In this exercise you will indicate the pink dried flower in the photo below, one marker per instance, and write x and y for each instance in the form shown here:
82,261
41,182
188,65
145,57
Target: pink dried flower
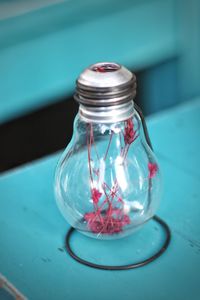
107,218
106,224
96,226
96,195
125,220
116,211
129,135
153,168
89,217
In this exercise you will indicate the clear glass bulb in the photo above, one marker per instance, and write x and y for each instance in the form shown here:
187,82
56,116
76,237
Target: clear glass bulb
107,181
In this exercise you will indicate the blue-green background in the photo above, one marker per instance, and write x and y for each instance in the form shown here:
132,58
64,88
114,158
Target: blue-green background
45,44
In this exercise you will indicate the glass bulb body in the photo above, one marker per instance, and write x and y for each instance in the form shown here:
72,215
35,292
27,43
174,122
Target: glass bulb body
107,182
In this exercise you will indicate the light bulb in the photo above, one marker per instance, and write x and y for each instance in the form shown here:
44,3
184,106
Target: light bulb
107,182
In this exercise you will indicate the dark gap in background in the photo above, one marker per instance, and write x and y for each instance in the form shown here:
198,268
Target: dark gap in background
36,134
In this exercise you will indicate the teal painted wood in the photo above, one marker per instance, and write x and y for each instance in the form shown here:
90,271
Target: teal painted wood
32,230
42,53
158,87
188,30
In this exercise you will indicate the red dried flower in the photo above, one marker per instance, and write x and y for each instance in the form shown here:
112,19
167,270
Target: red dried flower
125,220
108,217
96,195
89,217
129,135
106,224
153,168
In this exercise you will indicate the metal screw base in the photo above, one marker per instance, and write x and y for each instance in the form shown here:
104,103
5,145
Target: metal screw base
123,267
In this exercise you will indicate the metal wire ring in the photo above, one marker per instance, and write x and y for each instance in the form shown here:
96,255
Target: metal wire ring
123,267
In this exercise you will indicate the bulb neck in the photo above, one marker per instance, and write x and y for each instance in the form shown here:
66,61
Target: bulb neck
106,114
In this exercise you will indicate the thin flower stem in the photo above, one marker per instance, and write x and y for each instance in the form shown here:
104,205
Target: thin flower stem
95,148
114,193
96,172
89,139
98,212
108,145
97,216
104,202
107,197
123,151
109,210
126,152
105,218
109,217
126,149
120,138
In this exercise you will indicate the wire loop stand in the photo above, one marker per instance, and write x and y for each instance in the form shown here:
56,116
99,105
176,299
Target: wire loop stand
161,250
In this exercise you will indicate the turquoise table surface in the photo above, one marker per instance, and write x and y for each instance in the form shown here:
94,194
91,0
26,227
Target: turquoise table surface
32,230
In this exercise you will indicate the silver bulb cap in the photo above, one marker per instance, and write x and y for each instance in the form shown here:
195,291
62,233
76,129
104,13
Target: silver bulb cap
105,92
